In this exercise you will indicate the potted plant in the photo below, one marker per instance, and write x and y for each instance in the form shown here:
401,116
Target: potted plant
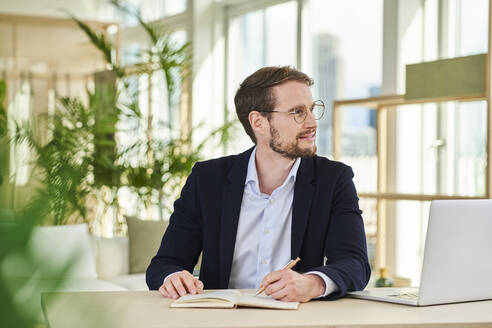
83,168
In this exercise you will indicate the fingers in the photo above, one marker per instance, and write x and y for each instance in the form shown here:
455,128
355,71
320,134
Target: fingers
272,277
295,287
276,287
163,291
288,298
285,286
284,295
171,290
280,287
180,284
199,286
189,285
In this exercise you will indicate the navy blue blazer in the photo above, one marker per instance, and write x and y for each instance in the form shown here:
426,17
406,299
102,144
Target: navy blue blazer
326,221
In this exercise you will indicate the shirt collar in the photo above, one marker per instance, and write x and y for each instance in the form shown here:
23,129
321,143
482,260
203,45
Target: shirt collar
252,175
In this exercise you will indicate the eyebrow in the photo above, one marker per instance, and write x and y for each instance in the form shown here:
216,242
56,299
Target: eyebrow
299,106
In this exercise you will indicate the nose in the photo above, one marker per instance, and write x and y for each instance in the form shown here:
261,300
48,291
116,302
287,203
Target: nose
310,122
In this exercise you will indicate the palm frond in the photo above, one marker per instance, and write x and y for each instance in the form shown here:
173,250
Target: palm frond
150,29
99,40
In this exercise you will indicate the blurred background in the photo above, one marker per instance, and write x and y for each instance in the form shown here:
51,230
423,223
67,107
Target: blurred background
107,105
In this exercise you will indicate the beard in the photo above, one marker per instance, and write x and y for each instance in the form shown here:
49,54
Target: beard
290,150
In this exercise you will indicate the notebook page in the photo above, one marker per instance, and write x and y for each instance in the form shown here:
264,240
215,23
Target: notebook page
263,301
228,295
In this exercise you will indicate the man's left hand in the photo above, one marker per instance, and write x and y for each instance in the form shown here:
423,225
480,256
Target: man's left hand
290,286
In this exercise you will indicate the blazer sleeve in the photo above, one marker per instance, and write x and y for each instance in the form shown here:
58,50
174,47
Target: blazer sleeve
182,242
347,263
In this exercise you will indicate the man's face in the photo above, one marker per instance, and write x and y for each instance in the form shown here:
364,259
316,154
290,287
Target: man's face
287,137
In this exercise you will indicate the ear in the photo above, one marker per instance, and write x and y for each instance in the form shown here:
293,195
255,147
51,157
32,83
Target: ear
259,123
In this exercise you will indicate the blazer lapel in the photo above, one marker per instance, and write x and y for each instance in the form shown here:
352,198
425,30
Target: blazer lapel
231,208
301,205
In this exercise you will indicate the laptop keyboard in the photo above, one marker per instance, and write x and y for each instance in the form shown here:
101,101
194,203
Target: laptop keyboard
408,294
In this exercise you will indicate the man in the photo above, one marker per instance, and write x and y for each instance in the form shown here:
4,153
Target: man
253,212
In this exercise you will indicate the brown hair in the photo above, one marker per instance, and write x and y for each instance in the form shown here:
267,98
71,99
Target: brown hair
255,93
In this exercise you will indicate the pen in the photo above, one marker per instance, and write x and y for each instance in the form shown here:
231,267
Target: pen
288,266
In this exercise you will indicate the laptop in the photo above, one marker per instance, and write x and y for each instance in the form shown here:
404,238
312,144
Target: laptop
457,264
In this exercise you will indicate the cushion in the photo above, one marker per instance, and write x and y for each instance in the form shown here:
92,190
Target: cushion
112,257
55,247
145,238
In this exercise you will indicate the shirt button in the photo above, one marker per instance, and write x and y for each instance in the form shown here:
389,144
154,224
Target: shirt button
267,230
263,261
272,200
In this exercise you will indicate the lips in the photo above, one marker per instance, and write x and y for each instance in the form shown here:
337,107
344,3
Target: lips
308,136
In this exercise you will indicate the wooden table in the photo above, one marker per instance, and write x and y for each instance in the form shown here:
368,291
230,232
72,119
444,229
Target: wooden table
148,309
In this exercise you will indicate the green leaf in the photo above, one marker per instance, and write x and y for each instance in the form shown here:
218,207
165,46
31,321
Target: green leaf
99,40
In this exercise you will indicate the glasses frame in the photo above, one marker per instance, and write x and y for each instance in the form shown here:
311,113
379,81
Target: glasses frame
319,103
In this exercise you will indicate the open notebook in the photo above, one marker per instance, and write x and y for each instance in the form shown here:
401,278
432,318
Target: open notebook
231,298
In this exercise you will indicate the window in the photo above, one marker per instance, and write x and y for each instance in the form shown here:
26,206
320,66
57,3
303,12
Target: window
430,150
21,107
151,10
472,25
411,219
440,147
259,38
151,93
342,50
369,215
359,144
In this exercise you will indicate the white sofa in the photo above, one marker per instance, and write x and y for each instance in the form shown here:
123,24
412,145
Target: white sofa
113,266
96,263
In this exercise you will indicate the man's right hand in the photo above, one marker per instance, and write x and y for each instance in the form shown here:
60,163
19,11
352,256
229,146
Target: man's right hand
179,284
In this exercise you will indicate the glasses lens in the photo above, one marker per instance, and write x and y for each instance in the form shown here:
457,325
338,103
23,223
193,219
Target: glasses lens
300,115
319,109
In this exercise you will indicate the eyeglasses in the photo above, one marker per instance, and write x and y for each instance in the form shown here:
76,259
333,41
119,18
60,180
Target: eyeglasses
300,113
